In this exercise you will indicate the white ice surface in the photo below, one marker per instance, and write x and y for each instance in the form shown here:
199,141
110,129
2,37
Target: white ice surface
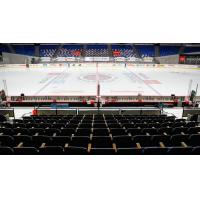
121,81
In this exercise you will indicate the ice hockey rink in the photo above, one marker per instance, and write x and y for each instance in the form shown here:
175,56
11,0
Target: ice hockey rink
114,80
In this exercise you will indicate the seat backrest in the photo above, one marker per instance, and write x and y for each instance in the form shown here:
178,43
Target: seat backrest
101,142
6,151
100,132
71,150
6,140
51,150
151,131
38,131
102,151
25,151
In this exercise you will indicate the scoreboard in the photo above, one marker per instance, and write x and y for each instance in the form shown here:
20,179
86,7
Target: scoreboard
189,59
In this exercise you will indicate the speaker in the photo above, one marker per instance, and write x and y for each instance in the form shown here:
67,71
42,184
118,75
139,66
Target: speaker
192,95
173,96
22,96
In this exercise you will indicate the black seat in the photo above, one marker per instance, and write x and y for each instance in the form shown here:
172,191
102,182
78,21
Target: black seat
157,139
115,125
141,125
6,125
44,126
155,151
117,131
72,126
66,132
102,151
38,140
79,141
166,124
25,151
179,151
84,125
135,131
102,125
150,131
177,139
83,132
179,124
18,121
180,120
32,125
196,150
6,151
194,140
51,150
179,130
51,132
143,140
165,130
6,140
123,141
193,130
21,131
128,126
2,118
191,124
154,125
58,126
6,131
18,125
38,131
51,121
101,142
71,150
60,140
129,151
100,132
25,139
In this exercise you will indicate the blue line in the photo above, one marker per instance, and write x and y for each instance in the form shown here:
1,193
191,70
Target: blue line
47,84
145,83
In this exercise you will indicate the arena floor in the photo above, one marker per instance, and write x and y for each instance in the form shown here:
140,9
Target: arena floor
114,81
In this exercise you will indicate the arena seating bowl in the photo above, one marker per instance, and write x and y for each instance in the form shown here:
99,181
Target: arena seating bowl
99,135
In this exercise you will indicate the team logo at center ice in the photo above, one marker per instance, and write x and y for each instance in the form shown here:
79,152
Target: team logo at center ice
94,77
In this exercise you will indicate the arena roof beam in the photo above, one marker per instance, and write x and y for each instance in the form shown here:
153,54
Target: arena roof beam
110,50
37,50
181,49
11,48
84,50
157,50
135,50
57,50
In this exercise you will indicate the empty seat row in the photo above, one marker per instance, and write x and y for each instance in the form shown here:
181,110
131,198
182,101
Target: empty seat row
57,150
102,141
98,131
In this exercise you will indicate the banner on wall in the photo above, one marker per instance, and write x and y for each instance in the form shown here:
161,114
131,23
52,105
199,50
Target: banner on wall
120,59
71,59
45,59
96,59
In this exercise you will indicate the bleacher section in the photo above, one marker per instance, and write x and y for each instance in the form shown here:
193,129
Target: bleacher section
169,50
99,134
122,51
70,51
146,50
97,51
48,50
